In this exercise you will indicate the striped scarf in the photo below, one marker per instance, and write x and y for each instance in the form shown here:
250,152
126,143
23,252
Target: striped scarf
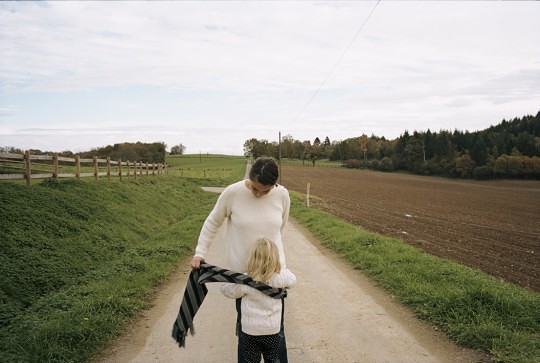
196,291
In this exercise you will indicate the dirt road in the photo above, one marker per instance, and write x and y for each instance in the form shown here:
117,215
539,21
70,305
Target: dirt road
334,314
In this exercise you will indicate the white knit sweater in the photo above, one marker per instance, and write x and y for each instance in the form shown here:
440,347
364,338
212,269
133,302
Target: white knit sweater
261,314
248,219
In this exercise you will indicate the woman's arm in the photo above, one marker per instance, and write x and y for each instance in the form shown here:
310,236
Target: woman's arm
211,226
286,210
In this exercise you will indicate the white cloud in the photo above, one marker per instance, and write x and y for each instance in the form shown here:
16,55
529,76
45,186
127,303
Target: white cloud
247,69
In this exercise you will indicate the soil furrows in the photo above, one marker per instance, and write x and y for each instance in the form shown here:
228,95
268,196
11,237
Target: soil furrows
493,226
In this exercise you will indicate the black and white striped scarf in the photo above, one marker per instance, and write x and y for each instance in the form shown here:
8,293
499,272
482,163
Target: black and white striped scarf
196,291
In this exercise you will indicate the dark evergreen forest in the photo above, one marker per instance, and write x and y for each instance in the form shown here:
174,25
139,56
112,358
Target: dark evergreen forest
511,149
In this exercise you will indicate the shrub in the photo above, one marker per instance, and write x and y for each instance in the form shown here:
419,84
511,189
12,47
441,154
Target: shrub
483,173
386,164
375,164
352,163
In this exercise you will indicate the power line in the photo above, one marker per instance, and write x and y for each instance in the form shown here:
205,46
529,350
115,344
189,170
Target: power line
335,65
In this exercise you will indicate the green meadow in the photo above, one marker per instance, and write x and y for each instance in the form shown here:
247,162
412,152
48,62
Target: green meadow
81,258
218,168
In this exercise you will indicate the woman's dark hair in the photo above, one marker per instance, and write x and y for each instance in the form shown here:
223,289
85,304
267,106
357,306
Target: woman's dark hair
265,171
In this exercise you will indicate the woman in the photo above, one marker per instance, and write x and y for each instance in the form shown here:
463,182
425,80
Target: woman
254,208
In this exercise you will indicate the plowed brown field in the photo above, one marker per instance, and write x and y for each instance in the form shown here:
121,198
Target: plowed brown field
493,226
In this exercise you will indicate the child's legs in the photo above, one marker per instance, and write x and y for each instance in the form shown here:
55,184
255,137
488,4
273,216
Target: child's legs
270,347
265,345
251,350
282,352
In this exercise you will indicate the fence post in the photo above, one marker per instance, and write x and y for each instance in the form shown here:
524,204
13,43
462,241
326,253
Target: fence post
27,168
128,168
55,166
147,168
135,169
120,169
307,195
78,166
140,168
96,170
153,168
109,168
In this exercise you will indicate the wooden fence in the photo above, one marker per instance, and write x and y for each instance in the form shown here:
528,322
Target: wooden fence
54,166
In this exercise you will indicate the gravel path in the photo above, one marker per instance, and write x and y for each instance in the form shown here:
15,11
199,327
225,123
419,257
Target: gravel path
334,314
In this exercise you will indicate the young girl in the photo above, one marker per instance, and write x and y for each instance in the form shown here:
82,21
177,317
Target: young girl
260,314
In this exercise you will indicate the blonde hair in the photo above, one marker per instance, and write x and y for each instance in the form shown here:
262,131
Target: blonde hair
263,260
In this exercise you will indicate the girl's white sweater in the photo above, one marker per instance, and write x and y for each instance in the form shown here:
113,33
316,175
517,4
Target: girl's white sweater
261,314
248,219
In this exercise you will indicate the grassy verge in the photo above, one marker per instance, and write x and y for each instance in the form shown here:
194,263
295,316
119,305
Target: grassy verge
474,309
80,258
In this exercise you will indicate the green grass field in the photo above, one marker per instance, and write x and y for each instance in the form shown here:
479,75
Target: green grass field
216,168
80,259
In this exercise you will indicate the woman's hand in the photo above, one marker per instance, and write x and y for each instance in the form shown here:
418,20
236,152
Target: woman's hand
196,263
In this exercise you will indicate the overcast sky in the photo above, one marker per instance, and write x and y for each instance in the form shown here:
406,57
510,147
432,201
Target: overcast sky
77,75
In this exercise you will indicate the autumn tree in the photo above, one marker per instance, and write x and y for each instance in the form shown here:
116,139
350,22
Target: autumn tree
178,149
138,151
255,148
364,145
465,166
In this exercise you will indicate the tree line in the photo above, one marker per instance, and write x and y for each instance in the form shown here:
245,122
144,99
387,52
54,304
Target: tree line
146,152
510,149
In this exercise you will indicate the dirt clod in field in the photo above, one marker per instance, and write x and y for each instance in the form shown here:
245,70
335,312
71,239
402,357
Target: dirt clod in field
491,225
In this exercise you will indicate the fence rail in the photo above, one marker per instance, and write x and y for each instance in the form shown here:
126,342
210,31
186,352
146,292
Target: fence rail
49,166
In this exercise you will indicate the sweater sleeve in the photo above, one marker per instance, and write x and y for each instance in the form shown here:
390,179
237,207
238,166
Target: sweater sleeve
233,291
285,279
286,210
213,222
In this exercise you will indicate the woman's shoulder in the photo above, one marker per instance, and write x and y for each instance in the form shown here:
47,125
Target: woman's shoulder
281,187
233,189
281,191
238,185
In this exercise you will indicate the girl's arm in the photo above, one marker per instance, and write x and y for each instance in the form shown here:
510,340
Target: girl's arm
233,291
285,279
290,278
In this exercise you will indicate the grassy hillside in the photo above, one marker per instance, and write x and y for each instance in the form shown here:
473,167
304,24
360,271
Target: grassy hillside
79,258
